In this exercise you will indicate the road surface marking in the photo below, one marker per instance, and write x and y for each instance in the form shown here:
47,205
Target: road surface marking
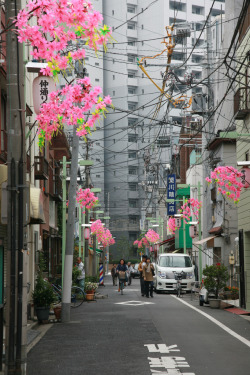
162,348
134,303
217,322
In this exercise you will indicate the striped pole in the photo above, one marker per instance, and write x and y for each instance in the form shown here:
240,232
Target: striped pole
101,279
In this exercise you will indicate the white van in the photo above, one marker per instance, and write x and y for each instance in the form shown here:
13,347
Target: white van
167,265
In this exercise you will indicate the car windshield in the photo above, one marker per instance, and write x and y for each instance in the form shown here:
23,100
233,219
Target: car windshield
172,261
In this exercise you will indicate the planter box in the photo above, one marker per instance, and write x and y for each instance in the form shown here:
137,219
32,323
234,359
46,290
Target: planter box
214,303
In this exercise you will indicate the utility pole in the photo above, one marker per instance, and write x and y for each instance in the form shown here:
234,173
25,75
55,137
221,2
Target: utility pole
68,262
16,294
86,242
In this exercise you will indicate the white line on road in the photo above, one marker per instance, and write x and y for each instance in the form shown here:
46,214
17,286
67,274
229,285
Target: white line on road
215,321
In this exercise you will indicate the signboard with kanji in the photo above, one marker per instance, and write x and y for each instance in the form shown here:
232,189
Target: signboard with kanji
42,87
171,189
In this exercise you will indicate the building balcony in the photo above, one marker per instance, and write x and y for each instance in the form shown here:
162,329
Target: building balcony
132,2
132,66
41,168
133,194
132,50
55,187
132,33
241,103
133,98
133,82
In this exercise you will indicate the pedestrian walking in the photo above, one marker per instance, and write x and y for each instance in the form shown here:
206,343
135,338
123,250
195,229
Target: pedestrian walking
81,277
140,269
148,273
129,270
114,274
121,270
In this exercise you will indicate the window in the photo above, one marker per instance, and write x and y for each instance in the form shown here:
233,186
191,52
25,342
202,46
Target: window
130,9
142,27
142,91
132,170
132,121
98,175
131,106
97,143
113,77
113,61
142,75
113,28
131,90
131,42
132,154
198,10
133,186
132,219
131,25
97,80
131,58
98,160
132,203
114,141
113,93
114,157
114,173
131,74
132,138
96,64
113,12
196,58
86,59
142,43
173,261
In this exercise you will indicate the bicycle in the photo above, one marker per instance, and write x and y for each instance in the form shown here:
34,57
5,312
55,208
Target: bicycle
122,280
77,295
178,277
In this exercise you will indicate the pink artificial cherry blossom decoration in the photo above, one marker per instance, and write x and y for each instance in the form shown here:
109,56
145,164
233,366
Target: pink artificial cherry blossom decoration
152,236
49,25
191,207
171,225
103,235
141,243
86,199
229,182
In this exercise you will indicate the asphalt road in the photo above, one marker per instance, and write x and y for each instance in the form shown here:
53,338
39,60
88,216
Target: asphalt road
131,335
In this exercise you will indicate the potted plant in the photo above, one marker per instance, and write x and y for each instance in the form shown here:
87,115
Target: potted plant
43,294
216,277
90,288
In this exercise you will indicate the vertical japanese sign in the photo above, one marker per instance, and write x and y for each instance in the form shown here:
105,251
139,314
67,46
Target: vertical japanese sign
42,87
171,189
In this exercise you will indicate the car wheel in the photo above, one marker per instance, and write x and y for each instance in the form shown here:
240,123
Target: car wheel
201,302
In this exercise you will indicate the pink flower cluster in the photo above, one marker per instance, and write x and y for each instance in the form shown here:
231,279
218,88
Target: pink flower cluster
69,106
86,199
229,182
171,225
191,207
152,236
103,235
141,243
54,24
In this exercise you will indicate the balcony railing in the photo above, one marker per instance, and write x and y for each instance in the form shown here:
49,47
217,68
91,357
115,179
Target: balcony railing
242,103
41,168
56,191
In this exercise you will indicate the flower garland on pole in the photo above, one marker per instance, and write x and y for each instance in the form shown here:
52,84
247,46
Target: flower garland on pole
229,182
55,24
152,236
191,207
103,235
86,199
171,225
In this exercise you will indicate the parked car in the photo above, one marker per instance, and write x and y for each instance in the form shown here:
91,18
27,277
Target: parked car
165,268
135,273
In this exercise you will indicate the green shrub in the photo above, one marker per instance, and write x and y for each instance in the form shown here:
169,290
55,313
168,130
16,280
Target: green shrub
216,277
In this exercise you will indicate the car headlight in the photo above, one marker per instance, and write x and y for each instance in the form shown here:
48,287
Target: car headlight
162,275
189,275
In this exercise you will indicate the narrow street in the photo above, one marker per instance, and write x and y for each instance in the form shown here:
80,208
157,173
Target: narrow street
121,334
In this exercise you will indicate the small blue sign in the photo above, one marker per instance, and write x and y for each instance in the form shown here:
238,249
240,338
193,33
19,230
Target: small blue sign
171,191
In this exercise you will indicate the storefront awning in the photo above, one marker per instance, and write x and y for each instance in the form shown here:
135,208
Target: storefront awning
166,241
36,206
204,240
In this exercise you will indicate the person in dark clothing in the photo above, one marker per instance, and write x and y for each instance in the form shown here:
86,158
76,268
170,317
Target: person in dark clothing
114,274
120,269
148,272
140,269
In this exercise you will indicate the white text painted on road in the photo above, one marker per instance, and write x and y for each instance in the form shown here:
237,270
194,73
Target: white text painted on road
161,348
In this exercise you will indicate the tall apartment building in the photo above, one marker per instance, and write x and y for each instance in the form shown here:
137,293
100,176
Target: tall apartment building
129,133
